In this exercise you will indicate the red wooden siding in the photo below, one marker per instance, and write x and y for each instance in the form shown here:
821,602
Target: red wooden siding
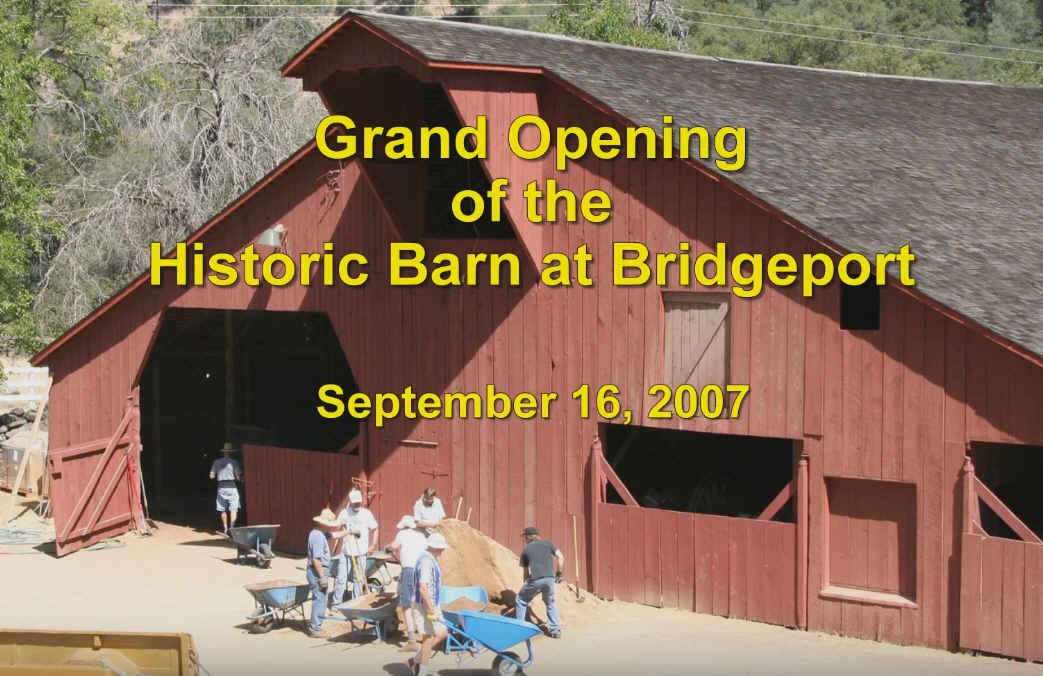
1001,603
900,404
742,568
318,480
872,535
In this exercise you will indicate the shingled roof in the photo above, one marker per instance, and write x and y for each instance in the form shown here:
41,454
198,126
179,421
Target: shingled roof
871,162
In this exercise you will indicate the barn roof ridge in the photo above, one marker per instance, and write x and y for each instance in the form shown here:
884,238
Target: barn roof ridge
442,22
868,162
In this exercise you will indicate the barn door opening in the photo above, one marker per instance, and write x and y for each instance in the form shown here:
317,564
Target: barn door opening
1001,552
245,377
709,522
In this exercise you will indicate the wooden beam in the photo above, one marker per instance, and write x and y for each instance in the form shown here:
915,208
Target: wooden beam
624,447
1004,513
29,448
229,374
775,505
353,444
617,483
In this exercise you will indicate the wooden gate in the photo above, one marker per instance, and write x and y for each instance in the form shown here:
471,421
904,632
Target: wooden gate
96,486
754,569
1001,580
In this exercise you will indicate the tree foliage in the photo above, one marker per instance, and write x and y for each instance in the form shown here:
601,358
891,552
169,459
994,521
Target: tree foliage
204,114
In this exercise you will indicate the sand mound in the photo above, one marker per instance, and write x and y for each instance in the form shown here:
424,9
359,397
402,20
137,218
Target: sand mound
473,559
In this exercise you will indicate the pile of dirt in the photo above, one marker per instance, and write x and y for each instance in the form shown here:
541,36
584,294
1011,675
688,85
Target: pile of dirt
474,559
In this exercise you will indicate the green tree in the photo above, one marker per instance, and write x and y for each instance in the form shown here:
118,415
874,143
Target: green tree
606,21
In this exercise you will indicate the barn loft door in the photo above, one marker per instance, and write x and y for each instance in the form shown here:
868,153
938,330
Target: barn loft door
95,486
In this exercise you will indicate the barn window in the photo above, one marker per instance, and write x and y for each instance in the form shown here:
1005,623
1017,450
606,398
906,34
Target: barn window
696,340
1011,472
447,177
860,307
871,534
722,474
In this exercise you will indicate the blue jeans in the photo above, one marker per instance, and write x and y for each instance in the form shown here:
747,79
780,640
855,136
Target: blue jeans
318,600
344,572
544,586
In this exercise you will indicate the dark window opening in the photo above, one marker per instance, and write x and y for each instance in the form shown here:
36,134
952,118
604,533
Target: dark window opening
860,307
241,376
447,177
701,473
1011,472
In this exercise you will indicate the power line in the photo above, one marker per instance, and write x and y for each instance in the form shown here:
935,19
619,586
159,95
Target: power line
244,17
335,6
859,42
902,36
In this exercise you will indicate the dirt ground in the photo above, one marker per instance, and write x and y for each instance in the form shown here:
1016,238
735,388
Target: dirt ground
183,580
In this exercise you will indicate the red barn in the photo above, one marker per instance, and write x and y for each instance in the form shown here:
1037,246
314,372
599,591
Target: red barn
843,498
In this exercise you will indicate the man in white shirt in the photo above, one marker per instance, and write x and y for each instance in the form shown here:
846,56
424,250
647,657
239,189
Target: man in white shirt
359,542
428,511
407,547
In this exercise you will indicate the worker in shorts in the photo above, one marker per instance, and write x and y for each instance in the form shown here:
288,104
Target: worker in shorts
408,545
427,603
226,470
543,563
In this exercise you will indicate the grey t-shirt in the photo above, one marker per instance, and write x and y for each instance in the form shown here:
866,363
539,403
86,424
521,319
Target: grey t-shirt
539,557
226,471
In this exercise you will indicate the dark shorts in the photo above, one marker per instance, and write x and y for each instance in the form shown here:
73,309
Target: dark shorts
406,587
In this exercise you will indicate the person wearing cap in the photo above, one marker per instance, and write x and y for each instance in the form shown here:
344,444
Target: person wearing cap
226,470
542,562
427,602
408,545
326,528
428,511
360,541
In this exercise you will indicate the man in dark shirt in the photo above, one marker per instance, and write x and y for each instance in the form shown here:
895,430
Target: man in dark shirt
543,563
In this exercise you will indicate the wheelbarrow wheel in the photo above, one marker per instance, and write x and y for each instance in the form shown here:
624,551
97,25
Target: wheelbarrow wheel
264,555
262,625
502,667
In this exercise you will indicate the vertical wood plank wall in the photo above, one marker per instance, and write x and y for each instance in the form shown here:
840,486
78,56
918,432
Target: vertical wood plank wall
319,479
1001,606
898,404
741,568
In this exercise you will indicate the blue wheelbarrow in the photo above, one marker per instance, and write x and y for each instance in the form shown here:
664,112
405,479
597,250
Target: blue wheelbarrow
475,632
377,610
275,600
256,541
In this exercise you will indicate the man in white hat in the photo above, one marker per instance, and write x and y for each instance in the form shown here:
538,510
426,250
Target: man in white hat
325,529
427,602
408,545
360,541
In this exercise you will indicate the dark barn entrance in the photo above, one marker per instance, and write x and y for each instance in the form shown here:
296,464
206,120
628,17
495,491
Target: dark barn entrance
232,375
